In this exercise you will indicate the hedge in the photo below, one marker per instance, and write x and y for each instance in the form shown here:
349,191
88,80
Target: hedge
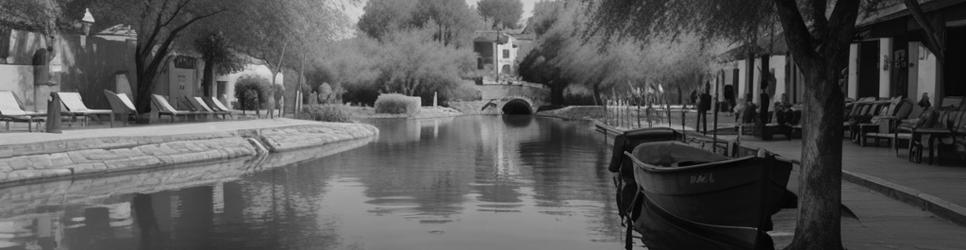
397,104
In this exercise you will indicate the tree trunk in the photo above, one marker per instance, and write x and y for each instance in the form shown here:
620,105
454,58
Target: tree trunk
145,86
208,78
820,190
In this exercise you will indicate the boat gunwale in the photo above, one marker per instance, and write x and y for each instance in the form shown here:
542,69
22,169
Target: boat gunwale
665,169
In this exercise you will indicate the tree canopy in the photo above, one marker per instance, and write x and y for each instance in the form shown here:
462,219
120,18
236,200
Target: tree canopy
453,21
562,57
505,13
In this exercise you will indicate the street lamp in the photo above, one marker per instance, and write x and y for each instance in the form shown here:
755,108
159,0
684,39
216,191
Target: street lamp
87,21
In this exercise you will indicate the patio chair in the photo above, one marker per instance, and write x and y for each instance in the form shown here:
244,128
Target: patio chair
198,105
215,104
164,108
940,125
121,105
883,126
876,108
11,110
858,107
74,107
947,143
906,128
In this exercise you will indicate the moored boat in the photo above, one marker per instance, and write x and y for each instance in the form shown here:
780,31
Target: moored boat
716,201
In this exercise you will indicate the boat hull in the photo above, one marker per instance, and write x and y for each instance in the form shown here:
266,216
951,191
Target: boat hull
661,230
741,192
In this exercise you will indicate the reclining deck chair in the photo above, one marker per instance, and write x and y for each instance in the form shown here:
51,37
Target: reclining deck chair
198,105
74,107
121,105
164,108
215,104
11,110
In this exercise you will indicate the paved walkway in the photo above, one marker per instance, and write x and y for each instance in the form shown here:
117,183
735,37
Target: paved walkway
947,183
884,223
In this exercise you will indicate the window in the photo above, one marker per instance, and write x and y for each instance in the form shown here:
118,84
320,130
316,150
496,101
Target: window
506,53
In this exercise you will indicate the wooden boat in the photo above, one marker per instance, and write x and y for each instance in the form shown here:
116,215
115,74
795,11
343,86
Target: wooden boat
661,230
722,199
627,187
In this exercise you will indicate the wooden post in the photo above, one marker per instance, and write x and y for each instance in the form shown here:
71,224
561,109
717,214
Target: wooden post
638,112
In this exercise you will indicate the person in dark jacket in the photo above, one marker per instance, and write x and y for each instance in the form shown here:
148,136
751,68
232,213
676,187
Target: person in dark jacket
704,104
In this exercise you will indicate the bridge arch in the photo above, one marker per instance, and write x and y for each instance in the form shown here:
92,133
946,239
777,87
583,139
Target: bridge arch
517,106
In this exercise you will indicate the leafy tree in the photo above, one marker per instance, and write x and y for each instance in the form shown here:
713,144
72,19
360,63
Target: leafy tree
42,15
382,17
325,93
218,58
505,13
453,21
159,24
411,63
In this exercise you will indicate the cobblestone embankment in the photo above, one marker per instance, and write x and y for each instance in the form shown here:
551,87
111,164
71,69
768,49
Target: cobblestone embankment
87,156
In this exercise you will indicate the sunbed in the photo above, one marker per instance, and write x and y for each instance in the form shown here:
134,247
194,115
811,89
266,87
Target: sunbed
121,105
11,110
199,105
164,108
74,107
215,104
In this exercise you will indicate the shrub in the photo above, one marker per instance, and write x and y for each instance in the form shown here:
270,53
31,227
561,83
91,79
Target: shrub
326,113
397,104
252,92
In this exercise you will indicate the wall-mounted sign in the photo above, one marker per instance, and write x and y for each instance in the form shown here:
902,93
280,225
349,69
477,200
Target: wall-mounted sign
184,62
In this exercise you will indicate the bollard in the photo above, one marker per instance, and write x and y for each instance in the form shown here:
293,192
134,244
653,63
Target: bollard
53,113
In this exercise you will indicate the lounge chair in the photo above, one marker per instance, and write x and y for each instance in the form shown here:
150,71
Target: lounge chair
215,104
163,107
121,105
883,125
74,107
198,105
856,109
938,125
865,114
11,110
947,142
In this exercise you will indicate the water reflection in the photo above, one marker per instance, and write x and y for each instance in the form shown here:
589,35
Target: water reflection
480,182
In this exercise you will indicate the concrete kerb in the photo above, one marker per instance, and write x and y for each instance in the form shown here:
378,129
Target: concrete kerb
931,203
927,202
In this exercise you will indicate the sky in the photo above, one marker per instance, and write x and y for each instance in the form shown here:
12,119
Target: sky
354,12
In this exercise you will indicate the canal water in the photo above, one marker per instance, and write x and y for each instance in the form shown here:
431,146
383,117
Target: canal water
472,182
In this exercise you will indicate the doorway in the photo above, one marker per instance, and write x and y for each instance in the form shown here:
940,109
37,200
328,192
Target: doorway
868,69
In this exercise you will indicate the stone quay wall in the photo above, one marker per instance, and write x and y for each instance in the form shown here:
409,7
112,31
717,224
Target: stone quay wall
20,163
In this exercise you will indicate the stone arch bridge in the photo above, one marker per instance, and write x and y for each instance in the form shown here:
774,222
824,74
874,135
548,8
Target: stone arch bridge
511,105
522,99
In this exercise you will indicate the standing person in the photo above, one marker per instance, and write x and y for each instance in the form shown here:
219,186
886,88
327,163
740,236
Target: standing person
704,104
